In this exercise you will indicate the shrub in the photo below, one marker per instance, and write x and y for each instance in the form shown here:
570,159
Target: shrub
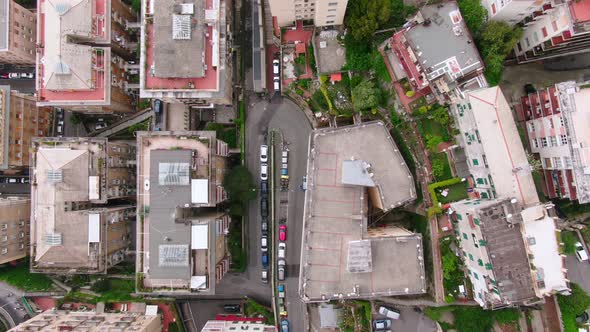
410,94
573,305
101,285
569,240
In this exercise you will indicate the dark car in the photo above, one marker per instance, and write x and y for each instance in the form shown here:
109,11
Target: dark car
264,260
234,308
264,188
158,106
264,208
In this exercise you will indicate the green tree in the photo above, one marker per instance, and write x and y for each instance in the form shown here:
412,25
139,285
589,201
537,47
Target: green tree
365,96
136,5
450,263
240,188
474,15
101,285
495,41
432,142
358,54
438,168
364,17
441,115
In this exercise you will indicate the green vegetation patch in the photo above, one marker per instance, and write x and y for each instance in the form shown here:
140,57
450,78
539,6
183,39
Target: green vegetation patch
20,277
457,192
472,319
572,306
226,133
440,166
255,309
569,240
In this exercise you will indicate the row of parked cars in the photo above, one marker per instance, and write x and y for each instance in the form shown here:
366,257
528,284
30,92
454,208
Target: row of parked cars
385,324
264,210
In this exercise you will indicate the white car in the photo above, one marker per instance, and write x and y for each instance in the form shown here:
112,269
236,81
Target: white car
581,254
14,75
146,185
282,249
275,66
263,153
264,172
276,83
388,312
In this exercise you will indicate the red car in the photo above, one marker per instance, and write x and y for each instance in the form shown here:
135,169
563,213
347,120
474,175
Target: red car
283,233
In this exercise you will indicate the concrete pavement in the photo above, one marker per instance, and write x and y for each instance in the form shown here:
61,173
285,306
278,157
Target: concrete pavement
578,272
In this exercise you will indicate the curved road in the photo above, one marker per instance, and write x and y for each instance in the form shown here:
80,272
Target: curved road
282,115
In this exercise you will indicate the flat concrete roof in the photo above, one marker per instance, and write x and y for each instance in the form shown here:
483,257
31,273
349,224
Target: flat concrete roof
178,58
441,42
336,214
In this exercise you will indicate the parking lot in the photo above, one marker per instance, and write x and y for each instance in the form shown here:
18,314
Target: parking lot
410,320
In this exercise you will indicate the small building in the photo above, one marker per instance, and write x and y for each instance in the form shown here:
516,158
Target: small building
437,54
62,320
236,325
557,128
15,213
81,59
182,175
76,227
18,34
329,51
494,153
185,52
323,13
342,258
511,253
20,121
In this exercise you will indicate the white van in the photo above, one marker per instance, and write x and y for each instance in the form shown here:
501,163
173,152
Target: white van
263,153
275,66
581,254
277,84
264,172
282,249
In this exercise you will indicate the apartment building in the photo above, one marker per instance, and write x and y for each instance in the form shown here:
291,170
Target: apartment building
495,160
20,121
185,52
15,212
82,52
18,34
75,227
557,130
555,28
510,11
62,320
236,325
511,253
179,188
436,54
323,13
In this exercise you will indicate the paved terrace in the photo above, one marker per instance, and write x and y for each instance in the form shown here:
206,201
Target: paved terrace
68,72
336,214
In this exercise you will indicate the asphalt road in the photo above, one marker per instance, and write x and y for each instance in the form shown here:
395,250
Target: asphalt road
578,272
10,301
283,116
24,85
202,311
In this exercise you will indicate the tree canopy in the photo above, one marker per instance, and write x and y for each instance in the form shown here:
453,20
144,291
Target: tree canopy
474,15
240,188
365,96
364,17
495,41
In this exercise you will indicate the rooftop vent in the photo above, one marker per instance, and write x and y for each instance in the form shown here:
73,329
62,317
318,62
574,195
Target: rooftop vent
62,8
54,175
53,239
181,27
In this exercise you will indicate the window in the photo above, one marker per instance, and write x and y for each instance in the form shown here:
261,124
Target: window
531,126
553,140
557,162
561,121
493,9
464,253
4,251
4,226
476,221
544,31
470,257
551,123
329,22
563,139
21,235
544,141
485,161
459,217
528,42
475,162
535,143
536,36
465,236
568,162
554,26
332,10
474,240
480,262
475,275
4,238
330,16
332,4
547,163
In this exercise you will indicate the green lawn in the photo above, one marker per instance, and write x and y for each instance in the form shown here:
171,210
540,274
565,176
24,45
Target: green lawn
254,309
440,160
457,192
120,290
19,276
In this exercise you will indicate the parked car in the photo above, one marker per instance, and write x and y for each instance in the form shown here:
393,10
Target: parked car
14,75
263,153
276,64
265,276
264,226
100,125
581,254
583,317
264,243
264,260
4,75
284,325
12,180
146,185
282,249
264,172
24,180
389,312
233,308
304,183
277,83
281,269
283,233
264,208
281,291
264,188
27,75
381,324
60,129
